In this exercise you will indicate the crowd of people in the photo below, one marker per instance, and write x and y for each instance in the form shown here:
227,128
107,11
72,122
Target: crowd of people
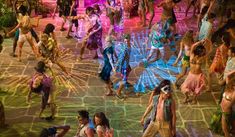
209,53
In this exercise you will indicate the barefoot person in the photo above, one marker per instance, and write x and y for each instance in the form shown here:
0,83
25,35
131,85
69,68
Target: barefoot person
196,80
93,39
163,116
185,48
42,84
108,64
227,105
24,26
219,62
123,65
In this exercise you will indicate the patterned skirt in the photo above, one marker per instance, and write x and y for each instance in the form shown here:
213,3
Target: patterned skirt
95,41
194,83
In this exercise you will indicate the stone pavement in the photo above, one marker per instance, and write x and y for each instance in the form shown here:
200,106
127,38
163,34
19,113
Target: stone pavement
86,91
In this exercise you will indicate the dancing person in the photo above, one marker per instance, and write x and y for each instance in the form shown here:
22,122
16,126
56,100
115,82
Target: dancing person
206,27
114,12
50,53
21,9
195,81
227,105
157,39
229,68
108,64
185,48
155,92
195,4
85,127
73,12
123,65
142,12
53,131
204,8
150,4
24,25
168,13
102,125
219,62
64,9
42,84
163,114
93,39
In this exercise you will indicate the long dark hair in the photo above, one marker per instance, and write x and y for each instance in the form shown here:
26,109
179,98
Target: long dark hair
49,28
200,50
226,39
163,83
103,119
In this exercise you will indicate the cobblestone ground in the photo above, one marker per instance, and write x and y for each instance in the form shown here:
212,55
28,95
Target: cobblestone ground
86,91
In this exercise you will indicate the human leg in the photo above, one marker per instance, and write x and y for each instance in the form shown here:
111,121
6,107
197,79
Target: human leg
225,126
151,130
152,14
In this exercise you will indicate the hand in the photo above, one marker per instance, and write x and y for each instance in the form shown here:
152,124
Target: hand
142,121
175,64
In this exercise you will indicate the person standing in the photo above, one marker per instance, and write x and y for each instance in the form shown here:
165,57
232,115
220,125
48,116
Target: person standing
108,64
123,65
73,12
42,84
163,115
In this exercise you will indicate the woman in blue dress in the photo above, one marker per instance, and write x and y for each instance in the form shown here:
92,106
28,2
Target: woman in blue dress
123,66
108,64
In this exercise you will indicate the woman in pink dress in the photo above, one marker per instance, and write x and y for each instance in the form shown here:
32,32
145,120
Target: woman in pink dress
196,80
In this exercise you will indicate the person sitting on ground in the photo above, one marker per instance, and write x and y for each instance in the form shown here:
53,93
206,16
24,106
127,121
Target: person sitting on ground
53,131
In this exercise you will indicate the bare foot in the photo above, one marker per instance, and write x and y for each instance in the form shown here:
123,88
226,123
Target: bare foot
186,100
79,59
194,102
